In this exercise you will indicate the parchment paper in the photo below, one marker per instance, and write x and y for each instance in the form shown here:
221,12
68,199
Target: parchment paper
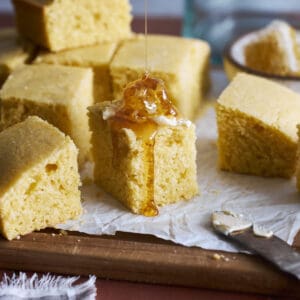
273,203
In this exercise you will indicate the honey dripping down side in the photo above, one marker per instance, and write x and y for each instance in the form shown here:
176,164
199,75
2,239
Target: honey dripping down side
143,100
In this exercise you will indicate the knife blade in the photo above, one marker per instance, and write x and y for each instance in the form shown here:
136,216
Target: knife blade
273,249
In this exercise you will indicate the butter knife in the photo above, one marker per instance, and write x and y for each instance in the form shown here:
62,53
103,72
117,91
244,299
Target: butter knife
271,248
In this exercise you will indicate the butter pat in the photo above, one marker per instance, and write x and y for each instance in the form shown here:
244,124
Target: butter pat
228,222
262,232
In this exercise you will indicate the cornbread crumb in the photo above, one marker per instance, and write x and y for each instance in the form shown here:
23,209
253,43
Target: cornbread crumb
58,94
35,160
257,131
216,256
219,257
59,25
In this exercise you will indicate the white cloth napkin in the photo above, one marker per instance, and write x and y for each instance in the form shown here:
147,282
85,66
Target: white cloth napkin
47,287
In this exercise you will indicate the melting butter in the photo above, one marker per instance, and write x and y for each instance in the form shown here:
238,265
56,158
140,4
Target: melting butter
261,231
228,222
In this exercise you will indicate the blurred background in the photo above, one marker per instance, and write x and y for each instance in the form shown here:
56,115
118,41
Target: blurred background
217,21
156,7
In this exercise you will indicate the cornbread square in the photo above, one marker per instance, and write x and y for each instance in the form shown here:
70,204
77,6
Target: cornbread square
139,176
181,63
274,50
257,121
39,179
13,52
58,94
97,57
65,24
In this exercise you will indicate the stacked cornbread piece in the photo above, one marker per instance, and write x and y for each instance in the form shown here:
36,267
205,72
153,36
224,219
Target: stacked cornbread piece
69,55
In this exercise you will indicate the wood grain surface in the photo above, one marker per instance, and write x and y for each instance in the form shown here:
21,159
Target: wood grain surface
142,258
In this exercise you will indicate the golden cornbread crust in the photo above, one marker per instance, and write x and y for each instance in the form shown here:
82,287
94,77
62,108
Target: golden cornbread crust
97,57
257,122
122,163
61,24
39,179
58,94
181,63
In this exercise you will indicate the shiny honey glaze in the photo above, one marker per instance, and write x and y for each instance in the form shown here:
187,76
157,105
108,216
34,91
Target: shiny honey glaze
143,100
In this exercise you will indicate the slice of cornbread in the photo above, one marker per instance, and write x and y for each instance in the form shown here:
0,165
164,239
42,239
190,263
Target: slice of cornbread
97,57
144,163
13,52
64,24
257,121
39,179
58,94
181,63
274,50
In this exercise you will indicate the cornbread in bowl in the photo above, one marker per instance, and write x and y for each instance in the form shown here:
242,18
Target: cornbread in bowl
272,52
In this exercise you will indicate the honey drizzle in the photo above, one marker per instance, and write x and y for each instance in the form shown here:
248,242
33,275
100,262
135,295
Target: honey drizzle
146,37
143,99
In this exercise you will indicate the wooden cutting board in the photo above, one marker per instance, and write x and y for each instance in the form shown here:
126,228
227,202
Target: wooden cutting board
144,258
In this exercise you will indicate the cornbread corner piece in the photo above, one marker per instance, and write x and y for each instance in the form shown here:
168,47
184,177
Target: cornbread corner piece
61,24
39,180
136,174
182,63
58,94
97,57
274,50
257,121
14,52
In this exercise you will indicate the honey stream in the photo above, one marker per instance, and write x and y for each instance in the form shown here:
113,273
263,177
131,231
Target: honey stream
143,100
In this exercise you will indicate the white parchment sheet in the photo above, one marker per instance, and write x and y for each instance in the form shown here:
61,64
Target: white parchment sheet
273,203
